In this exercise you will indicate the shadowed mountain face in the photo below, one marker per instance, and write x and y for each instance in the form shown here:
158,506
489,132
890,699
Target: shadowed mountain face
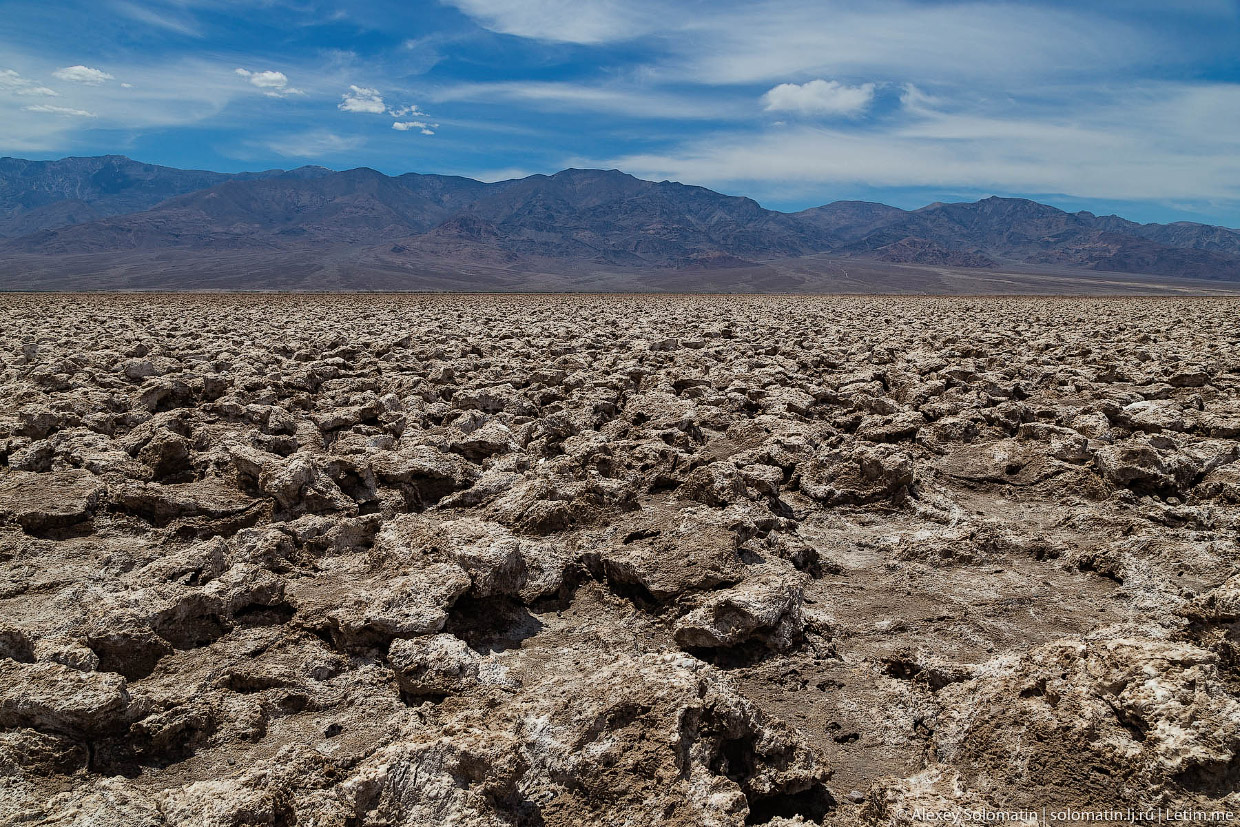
61,210
997,230
36,195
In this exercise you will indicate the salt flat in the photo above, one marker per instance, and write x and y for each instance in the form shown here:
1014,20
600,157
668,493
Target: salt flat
552,560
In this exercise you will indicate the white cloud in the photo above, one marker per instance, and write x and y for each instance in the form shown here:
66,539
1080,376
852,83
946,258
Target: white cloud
368,101
274,84
14,83
314,144
265,80
897,40
82,74
567,21
59,110
634,101
362,99
820,97
421,126
405,111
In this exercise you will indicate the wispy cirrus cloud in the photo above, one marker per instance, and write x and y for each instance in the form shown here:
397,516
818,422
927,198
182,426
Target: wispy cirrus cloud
315,143
59,110
566,21
630,100
896,40
175,19
13,83
177,93
82,74
795,40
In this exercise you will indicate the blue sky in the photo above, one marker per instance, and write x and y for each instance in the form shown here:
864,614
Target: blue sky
1128,106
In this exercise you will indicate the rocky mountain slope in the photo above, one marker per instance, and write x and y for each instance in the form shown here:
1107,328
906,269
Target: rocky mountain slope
1014,229
55,211
37,195
549,561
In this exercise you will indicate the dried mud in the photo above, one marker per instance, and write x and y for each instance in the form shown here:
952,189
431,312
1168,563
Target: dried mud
351,561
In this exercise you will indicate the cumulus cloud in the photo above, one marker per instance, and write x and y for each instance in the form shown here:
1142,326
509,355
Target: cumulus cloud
265,80
820,97
368,101
362,99
59,110
82,74
15,84
405,111
421,126
274,84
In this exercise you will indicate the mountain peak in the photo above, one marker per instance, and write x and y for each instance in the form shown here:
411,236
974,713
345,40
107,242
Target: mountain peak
587,173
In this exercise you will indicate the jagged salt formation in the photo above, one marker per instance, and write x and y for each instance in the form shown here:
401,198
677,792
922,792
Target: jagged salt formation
372,560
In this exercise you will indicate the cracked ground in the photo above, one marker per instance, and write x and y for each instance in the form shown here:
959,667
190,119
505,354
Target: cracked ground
352,561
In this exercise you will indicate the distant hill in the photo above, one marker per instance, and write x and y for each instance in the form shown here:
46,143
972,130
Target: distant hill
64,215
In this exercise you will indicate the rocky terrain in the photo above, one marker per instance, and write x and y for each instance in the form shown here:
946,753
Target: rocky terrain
353,561
113,223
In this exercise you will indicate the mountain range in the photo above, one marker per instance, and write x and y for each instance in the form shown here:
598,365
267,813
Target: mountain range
140,225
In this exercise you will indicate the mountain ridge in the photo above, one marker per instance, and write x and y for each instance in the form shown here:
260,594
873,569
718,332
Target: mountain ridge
81,206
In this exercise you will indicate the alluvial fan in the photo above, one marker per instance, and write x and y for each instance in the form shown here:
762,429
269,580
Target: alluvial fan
351,561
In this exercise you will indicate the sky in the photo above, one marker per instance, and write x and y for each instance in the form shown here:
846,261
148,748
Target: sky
1116,106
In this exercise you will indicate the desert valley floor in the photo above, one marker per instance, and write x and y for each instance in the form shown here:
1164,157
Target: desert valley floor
364,560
